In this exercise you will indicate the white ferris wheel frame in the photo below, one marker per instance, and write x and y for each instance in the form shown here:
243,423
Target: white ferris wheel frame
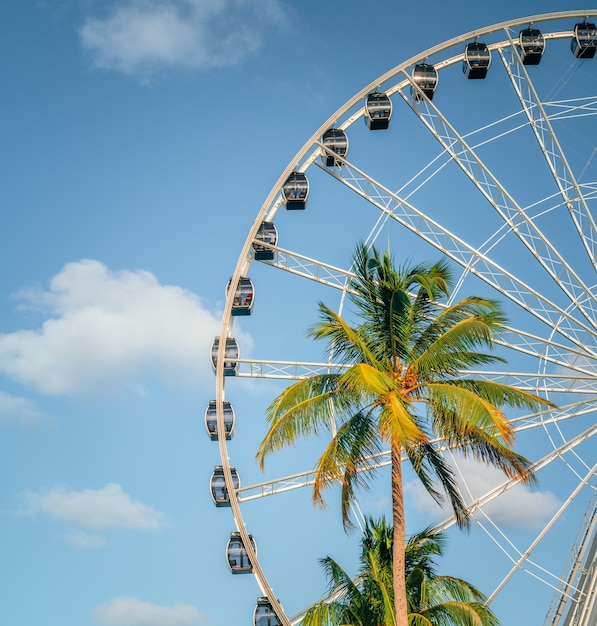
476,262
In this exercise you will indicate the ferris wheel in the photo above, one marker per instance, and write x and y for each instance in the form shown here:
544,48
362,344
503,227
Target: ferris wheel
481,149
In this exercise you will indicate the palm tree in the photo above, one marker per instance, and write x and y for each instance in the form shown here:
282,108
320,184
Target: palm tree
403,387
433,600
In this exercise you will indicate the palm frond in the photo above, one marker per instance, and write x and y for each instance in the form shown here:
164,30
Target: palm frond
397,424
345,458
328,614
437,322
416,619
455,407
452,588
302,409
428,464
454,349
421,548
340,583
461,613
475,443
348,344
504,395
366,382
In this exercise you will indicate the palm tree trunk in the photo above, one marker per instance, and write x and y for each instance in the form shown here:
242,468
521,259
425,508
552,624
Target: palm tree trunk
400,606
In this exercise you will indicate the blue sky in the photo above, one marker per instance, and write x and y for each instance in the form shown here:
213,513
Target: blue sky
139,141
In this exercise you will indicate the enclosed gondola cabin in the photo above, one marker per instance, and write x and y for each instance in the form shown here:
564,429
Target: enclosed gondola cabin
238,560
211,420
267,233
476,61
532,46
335,143
217,484
378,111
584,41
295,191
243,297
264,614
425,78
230,356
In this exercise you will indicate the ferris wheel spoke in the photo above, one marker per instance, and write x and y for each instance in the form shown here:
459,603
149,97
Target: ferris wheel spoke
547,350
592,190
551,383
286,370
472,259
294,370
510,212
552,151
565,109
306,267
554,415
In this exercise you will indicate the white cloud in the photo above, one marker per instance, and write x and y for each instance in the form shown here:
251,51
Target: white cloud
108,330
519,506
127,611
18,411
145,36
82,540
108,507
